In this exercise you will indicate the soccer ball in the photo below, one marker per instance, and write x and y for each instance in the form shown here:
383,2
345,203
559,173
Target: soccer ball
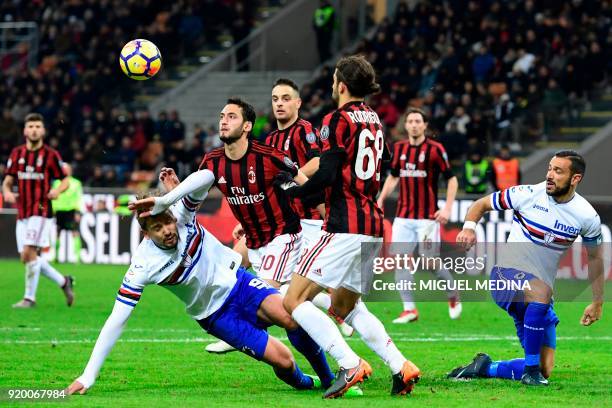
140,59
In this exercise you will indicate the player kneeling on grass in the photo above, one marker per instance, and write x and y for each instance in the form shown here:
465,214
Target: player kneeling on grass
548,217
229,303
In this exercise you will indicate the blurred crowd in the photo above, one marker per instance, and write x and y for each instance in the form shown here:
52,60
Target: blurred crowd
79,89
489,73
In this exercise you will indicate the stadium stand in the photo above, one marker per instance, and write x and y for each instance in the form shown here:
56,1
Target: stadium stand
512,73
488,73
89,109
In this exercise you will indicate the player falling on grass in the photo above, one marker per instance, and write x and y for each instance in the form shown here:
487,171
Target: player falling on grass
245,170
226,301
33,166
349,171
548,218
417,164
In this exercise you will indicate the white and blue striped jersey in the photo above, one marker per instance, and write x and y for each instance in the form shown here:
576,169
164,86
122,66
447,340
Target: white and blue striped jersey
549,227
200,271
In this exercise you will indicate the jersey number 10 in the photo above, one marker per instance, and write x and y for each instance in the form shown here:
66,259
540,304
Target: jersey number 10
369,155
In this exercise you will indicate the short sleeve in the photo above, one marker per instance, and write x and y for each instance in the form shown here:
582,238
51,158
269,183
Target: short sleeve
205,163
443,163
282,162
333,132
133,284
54,164
512,198
309,142
591,232
11,164
395,161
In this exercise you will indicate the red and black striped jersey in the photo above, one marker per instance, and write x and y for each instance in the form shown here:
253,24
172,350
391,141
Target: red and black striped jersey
350,203
34,170
247,184
300,142
419,168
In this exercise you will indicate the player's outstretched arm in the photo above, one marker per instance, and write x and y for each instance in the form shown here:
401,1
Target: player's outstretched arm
196,184
593,312
324,177
310,167
442,215
63,186
7,189
467,237
388,187
109,335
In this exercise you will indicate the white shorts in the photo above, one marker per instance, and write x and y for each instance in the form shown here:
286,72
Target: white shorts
33,231
335,260
311,231
410,232
277,259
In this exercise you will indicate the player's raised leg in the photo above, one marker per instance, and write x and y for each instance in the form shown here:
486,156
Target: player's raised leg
320,327
404,373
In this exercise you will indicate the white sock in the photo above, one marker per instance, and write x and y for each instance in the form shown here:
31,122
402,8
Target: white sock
325,333
373,334
322,301
50,272
444,274
406,295
31,279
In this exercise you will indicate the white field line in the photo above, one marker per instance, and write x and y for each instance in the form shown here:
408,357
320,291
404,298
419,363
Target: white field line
212,339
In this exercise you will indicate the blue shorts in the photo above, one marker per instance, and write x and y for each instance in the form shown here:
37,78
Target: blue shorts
513,302
236,321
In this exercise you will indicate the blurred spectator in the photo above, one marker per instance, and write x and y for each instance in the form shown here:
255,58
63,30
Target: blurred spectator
476,173
324,21
506,170
503,119
483,64
387,111
460,119
554,104
199,134
494,59
454,141
262,126
97,178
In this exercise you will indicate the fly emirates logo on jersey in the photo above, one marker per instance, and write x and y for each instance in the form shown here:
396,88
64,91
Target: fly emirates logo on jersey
30,173
411,171
239,196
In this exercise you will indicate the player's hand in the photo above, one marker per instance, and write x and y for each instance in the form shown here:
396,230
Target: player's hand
442,216
592,313
238,231
285,181
466,238
380,203
53,194
9,197
168,178
76,387
148,206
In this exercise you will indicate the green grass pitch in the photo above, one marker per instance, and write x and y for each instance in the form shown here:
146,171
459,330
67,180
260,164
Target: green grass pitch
160,359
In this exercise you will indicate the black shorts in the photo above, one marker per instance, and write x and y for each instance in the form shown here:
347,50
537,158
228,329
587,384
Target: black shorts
66,220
